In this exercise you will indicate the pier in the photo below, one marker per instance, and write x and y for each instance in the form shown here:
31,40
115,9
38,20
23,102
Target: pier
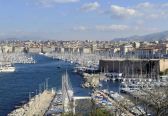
36,106
65,101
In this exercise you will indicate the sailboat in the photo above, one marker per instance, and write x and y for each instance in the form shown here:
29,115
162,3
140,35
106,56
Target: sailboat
67,93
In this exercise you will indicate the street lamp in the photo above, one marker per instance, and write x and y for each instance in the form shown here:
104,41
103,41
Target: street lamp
44,86
40,88
47,83
30,95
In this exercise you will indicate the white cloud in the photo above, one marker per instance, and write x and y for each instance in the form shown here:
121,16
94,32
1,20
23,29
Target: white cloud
165,5
153,16
118,11
145,5
80,28
49,3
144,29
116,30
152,11
90,6
139,22
111,27
2,34
143,11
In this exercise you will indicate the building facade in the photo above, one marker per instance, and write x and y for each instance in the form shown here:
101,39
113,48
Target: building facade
135,67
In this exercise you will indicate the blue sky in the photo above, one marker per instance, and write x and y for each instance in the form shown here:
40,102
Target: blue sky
81,19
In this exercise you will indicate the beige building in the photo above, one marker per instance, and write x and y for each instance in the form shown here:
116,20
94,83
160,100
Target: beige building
7,49
163,64
85,50
34,49
114,50
62,50
18,49
125,49
164,48
93,48
137,44
48,49
148,52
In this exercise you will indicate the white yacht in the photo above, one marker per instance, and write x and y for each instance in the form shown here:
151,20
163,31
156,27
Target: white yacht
41,53
7,68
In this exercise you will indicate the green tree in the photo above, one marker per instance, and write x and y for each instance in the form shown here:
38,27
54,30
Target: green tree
99,112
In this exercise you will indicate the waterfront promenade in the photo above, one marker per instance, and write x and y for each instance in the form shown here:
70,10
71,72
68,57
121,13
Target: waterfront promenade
38,105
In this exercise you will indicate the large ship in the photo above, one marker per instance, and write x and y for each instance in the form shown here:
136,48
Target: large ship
7,67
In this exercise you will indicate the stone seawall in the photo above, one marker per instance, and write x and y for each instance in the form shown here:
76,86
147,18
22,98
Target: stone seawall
37,106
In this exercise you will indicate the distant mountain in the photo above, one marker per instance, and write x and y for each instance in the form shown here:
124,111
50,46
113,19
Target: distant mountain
149,37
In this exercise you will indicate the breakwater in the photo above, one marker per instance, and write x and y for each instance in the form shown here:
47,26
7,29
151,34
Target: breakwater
38,105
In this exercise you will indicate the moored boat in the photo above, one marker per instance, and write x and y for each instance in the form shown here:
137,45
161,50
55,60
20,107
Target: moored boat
7,68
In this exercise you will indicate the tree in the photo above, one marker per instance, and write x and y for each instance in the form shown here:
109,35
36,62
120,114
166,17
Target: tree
157,98
99,112
95,112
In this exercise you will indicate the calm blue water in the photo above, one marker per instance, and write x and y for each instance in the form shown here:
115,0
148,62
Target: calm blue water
15,87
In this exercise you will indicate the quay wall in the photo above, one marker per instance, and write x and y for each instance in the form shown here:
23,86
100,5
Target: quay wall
37,106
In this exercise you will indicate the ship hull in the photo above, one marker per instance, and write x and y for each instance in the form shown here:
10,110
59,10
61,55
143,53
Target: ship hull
7,69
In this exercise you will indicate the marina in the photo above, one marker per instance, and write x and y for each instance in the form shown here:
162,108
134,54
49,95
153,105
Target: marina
83,58
21,83
110,91
52,102
8,60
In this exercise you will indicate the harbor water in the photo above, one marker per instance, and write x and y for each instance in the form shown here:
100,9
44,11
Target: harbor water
15,87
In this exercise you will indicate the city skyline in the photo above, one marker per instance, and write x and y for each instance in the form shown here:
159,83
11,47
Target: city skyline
81,19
